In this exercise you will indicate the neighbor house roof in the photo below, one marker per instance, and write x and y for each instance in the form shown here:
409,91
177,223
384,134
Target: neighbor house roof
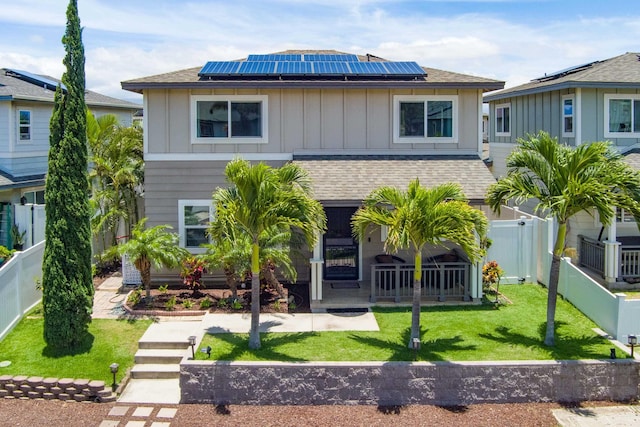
618,72
12,87
8,181
352,178
189,79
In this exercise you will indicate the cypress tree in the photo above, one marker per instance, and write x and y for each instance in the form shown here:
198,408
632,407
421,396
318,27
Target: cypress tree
67,281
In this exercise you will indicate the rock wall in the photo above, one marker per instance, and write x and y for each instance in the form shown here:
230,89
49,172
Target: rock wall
402,383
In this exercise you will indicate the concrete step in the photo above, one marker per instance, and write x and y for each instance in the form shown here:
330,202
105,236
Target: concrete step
163,345
155,371
160,355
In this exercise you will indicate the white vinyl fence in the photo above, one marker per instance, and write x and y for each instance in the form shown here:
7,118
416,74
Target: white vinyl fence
31,218
18,293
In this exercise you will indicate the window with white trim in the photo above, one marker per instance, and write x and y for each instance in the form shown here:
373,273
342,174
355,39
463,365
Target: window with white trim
229,119
624,216
503,120
425,119
194,217
24,128
568,114
622,116
34,197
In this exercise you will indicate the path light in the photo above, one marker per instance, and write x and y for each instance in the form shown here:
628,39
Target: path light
633,341
206,350
415,343
114,370
192,343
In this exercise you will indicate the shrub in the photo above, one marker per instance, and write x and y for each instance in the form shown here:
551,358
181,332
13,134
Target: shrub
163,289
236,304
5,253
223,302
192,270
135,297
170,304
205,303
187,304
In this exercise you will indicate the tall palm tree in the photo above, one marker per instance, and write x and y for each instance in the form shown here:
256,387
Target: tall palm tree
421,216
565,181
151,246
262,197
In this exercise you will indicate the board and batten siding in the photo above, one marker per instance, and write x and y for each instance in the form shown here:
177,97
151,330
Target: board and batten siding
309,120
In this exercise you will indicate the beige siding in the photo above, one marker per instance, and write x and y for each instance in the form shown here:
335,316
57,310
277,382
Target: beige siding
308,120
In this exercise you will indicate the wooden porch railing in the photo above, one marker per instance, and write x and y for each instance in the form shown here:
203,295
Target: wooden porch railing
591,254
442,281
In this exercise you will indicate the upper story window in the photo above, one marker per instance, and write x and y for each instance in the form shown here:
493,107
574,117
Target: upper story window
503,120
229,119
624,216
622,116
194,217
420,119
25,125
568,115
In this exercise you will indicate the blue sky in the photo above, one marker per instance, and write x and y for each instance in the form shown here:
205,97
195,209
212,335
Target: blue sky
509,40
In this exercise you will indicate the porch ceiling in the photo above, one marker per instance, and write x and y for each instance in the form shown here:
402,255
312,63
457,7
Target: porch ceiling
352,180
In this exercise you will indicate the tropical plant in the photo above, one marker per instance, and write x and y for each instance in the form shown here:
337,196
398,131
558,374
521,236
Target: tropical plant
260,198
67,296
116,175
149,246
5,254
565,181
421,216
491,274
18,237
191,272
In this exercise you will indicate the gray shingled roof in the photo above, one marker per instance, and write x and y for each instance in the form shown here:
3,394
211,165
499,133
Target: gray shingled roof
353,179
8,181
15,88
189,79
618,72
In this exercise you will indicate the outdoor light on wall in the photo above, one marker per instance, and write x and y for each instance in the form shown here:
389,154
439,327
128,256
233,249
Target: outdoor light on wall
206,350
633,341
192,343
114,370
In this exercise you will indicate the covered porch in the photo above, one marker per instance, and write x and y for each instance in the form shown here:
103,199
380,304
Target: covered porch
617,261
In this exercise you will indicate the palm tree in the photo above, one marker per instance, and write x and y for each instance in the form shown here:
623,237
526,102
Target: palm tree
421,216
262,197
151,246
565,181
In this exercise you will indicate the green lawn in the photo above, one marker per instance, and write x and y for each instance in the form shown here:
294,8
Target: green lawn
109,341
450,333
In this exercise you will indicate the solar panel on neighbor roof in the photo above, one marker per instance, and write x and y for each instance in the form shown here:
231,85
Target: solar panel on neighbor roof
410,68
258,67
294,67
36,79
368,68
330,57
331,67
219,67
275,57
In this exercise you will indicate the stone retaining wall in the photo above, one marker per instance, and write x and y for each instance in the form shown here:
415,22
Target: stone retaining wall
22,386
402,383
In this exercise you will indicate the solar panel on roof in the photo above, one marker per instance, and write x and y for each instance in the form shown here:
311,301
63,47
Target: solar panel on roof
294,67
410,68
330,57
257,67
219,67
368,68
36,79
331,67
276,57
565,71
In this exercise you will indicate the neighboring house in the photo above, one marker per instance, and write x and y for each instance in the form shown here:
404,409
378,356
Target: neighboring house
353,122
596,101
26,104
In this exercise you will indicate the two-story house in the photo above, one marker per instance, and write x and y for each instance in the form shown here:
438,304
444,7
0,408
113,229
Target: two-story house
596,101
26,104
354,122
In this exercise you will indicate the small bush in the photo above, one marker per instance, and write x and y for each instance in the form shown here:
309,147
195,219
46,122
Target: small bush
236,304
170,304
223,302
292,306
163,289
276,305
187,304
205,303
135,297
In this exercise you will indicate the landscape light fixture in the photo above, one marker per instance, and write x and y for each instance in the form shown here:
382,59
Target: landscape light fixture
207,351
415,343
114,370
633,341
192,343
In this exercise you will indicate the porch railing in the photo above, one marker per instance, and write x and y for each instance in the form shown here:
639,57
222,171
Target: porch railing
629,261
591,254
441,281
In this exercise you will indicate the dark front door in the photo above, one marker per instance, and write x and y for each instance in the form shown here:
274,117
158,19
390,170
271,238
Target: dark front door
340,248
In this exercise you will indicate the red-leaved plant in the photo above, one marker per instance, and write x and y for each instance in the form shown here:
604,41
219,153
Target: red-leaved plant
192,270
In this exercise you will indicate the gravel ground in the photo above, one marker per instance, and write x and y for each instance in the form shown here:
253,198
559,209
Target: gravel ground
70,414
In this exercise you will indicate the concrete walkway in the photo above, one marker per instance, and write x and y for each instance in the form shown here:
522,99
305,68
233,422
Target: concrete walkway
604,416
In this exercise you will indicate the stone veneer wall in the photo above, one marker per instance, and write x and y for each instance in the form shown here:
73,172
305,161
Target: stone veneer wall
402,383
80,390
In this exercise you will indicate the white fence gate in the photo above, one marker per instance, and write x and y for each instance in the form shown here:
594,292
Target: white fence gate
31,218
514,247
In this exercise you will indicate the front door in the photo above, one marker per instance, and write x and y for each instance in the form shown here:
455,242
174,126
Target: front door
340,248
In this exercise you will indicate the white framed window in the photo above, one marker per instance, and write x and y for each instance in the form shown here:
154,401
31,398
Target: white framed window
621,116
232,119
623,216
194,217
34,197
24,126
568,115
425,119
503,120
